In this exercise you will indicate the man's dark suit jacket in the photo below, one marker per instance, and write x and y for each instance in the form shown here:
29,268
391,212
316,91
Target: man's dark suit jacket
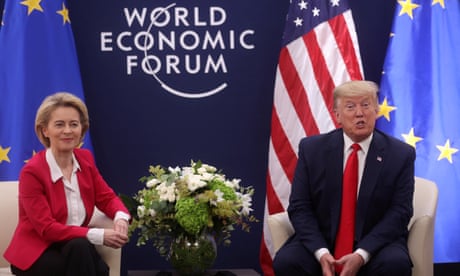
384,205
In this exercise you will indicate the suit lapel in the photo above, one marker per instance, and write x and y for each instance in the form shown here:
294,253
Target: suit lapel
374,162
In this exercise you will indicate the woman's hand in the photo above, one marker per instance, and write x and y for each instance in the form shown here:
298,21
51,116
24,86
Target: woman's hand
114,239
121,225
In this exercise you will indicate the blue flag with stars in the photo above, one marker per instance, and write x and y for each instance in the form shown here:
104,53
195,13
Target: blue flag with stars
420,104
37,58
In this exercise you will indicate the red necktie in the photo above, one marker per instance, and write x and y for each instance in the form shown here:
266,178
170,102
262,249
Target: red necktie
345,235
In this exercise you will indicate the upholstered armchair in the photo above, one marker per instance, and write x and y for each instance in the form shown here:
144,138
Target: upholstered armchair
9,219
421,227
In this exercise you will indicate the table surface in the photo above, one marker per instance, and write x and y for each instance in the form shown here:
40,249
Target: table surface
212,272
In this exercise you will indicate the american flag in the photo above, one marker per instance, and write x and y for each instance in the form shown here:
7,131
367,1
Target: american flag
319,51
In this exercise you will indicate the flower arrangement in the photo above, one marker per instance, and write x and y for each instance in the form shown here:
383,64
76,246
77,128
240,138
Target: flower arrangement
188,201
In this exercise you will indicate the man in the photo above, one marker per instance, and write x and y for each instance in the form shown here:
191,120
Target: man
385,187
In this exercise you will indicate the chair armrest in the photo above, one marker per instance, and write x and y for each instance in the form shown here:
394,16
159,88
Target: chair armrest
420,243
280,229
111,256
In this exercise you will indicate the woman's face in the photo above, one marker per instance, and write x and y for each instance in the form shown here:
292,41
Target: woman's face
64,129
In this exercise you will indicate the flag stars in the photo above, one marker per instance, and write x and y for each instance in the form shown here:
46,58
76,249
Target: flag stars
315,11
4,154
32,5
298,22
303,5
65,14
446,151
385,109
335,3
407,7
440,2
410,138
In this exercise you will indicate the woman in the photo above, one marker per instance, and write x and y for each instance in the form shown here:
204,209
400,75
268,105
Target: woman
58,190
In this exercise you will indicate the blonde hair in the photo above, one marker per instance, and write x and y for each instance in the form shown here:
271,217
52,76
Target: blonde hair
50,104
356,88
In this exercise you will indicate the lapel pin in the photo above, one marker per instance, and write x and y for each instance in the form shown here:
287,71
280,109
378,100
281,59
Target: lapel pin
379,158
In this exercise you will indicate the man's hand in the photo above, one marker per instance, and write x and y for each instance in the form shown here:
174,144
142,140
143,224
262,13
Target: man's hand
350,263
114,239
327,262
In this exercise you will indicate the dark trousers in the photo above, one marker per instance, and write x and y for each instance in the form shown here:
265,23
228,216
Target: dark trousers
294,259
77,257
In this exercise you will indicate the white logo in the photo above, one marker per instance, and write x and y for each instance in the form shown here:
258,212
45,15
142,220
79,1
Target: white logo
178,46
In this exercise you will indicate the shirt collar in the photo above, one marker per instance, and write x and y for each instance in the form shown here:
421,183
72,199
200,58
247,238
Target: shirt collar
364,144
55,171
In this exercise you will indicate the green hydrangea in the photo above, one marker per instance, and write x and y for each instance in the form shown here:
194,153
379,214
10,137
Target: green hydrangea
229,193
191,215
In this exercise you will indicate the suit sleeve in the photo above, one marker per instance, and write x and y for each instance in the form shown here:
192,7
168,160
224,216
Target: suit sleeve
301,206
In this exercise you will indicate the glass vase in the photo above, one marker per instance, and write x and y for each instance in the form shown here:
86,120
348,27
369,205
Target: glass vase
193,255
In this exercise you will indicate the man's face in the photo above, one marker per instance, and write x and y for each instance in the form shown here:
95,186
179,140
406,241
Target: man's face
357,116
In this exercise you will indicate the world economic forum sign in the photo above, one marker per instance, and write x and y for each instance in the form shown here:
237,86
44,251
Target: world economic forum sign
179,46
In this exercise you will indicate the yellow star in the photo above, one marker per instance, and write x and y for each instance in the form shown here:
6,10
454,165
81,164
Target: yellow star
65,14
385,109
410,138
407,7
4,154
446,151
440,2
32,5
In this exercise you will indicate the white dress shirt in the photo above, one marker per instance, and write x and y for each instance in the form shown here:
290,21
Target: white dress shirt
362,154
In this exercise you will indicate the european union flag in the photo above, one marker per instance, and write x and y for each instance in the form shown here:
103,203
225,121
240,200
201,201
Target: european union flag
420,103
37,58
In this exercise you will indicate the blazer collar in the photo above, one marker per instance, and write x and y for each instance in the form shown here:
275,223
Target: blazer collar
55,171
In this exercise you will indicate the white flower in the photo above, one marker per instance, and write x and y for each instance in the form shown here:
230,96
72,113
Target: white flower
220,177
220,197
209,168
202,170
152,212
234,183
141,211
175,170
167,192
187,170
194,182
152,182
207,176
246,202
